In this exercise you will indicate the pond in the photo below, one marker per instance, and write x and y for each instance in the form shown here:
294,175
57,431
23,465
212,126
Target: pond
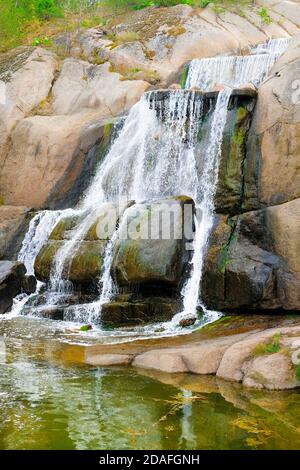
50,403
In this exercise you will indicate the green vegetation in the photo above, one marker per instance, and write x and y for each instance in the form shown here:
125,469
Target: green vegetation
34,22
85,328
184,76
128,73
297,369
265,17
272,347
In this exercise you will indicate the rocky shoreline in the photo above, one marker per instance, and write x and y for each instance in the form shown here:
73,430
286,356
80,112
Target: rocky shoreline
260,352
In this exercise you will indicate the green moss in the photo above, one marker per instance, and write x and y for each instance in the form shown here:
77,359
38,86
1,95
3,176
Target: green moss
86,263
238,138
44,260
86,328
107,130
272,347
297,370
58,233
184,76
2,202
224,253
223,321
242,113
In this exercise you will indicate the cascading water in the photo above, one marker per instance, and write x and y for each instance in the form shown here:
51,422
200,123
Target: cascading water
154,157
234,71
38,232
230,72
205,206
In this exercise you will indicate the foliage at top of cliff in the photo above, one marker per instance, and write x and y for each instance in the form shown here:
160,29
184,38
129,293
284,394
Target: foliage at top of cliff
34,22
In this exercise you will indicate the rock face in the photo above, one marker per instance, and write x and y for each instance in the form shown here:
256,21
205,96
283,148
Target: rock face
13,224
67,151
12,275
136,309
157,42
28,74
284,224
91,90
253,258
121,61
54,132
274,142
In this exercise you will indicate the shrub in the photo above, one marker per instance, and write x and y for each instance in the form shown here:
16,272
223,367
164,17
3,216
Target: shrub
265,17
46,9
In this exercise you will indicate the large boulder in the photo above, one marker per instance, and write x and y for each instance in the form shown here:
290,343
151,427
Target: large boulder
12,274
238,272
253,260
154,253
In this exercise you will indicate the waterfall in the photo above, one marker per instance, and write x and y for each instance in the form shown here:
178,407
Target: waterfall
40,227
273,46
205,205
154,156
230,72
234,71
38,233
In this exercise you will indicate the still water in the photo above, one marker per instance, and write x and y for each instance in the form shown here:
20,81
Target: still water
48,403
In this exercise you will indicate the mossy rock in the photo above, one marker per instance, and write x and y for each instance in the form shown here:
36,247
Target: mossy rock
102,228
44,260
60,231
157,260
120,313
230,187
84,267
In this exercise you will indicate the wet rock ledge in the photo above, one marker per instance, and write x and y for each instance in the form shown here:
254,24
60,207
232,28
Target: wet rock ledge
261,358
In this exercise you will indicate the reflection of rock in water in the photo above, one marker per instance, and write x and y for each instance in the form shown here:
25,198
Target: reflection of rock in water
187,438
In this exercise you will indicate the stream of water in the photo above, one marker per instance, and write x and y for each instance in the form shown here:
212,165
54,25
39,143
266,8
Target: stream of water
154,157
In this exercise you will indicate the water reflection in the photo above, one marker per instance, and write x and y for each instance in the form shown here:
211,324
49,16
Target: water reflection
54,406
